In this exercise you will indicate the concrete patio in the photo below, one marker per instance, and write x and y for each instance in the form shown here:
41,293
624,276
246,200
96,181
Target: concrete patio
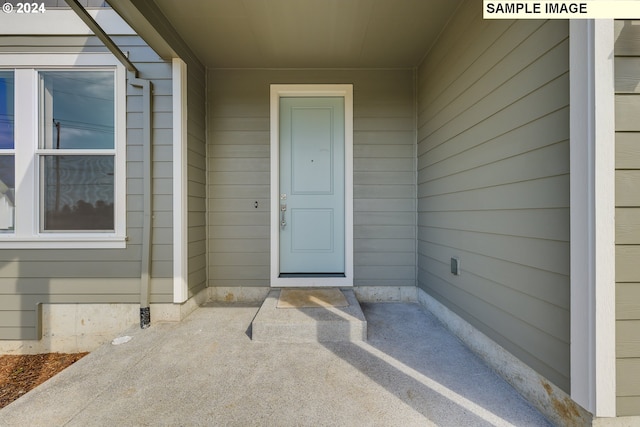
206,370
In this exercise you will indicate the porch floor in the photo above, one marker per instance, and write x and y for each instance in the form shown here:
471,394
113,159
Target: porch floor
206,370
309,315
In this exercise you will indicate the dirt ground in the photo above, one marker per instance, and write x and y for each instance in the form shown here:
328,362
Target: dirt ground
21,373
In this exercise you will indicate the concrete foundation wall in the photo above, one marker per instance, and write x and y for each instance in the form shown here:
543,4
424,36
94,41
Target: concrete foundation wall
72,328
553,402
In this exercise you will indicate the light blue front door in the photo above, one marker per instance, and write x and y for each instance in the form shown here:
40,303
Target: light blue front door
312,186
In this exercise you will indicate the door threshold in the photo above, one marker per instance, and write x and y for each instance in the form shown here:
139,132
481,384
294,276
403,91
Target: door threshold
301,275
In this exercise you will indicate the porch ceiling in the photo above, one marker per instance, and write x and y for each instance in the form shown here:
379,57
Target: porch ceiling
308,33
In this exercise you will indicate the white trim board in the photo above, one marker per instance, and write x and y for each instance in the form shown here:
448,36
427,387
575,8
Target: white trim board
592,147
281,90
180,213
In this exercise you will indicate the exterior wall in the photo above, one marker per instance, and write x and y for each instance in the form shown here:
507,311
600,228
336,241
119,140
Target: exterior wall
32,277
627,84
238,172
196,178
493,183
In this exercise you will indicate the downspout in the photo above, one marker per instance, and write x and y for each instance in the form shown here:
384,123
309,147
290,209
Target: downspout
147,143
147,191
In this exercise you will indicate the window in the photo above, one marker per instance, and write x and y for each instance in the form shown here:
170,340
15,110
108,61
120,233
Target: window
70,166
7,157
77,120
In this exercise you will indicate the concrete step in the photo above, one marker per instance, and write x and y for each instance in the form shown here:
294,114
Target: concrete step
303,323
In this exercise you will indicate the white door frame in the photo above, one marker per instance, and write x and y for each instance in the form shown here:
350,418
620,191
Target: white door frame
278,91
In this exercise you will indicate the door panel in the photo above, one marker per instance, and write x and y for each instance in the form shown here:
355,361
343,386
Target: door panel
311,154
312,230
312,185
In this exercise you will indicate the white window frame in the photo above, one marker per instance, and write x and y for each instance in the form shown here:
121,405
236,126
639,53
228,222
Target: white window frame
6,152
27,233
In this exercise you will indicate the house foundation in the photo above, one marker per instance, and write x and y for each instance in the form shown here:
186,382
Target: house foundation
554,403
80,327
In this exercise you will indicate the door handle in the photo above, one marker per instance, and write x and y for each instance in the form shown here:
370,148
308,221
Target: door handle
283,221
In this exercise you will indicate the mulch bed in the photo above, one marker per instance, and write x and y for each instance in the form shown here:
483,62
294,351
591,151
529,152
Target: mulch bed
21,373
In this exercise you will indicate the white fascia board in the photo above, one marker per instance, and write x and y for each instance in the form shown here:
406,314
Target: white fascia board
61,22
592,166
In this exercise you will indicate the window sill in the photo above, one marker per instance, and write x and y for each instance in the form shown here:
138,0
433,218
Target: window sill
63,242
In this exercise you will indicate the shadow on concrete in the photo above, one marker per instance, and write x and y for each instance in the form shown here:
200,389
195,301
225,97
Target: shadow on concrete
412,355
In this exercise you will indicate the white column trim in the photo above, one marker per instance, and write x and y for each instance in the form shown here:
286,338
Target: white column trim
180,225
280,90
592,145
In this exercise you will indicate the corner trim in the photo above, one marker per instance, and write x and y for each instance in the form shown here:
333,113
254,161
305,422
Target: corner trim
592,177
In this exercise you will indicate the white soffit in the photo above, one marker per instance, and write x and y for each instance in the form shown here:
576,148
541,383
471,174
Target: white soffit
309,33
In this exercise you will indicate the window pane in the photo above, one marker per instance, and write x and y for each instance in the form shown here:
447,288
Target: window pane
78,109
78,193
7,193
6,109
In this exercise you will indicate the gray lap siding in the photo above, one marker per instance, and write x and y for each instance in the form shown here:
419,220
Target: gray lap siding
239,171
493,182
32,277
